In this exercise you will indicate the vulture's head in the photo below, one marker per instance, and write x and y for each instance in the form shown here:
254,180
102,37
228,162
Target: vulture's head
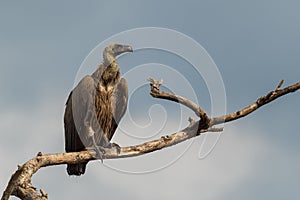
116,49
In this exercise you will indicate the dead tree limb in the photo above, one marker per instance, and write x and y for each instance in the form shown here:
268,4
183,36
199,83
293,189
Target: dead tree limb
20,182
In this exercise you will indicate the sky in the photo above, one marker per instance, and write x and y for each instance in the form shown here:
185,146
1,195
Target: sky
253,44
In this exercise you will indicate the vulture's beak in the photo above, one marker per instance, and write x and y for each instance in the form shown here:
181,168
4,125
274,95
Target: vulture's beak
126,48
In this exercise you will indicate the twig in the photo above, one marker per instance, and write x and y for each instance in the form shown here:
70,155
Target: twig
279,85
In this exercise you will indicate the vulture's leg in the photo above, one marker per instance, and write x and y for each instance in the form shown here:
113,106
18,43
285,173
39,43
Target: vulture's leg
99,150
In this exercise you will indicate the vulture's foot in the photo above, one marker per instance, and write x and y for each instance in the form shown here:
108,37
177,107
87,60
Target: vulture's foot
100,151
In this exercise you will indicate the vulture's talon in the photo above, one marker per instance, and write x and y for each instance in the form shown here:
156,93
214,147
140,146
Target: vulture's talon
116,146
100,153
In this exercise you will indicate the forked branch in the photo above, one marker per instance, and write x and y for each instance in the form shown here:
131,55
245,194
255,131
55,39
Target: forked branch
20,182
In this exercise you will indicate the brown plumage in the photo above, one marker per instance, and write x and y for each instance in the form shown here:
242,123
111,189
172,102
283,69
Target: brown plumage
95,107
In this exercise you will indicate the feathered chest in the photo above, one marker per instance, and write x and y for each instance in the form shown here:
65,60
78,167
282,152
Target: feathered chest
103,106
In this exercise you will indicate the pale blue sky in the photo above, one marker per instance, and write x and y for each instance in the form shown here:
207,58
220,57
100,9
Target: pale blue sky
255,44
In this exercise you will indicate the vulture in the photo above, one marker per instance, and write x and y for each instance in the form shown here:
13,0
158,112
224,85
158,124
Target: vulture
95,107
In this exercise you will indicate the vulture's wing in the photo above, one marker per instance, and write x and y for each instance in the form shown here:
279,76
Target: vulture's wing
119,104
80,110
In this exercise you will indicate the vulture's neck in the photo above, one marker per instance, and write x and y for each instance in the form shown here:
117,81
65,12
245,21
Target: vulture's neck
111,74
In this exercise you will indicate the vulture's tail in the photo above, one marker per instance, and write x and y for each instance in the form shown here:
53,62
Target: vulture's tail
76,169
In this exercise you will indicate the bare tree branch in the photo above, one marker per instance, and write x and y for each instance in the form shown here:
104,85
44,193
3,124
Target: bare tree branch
20,182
